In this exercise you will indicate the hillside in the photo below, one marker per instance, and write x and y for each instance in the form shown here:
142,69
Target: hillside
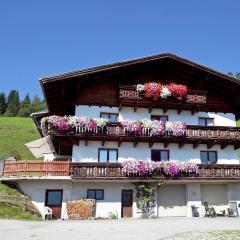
14,205
14,133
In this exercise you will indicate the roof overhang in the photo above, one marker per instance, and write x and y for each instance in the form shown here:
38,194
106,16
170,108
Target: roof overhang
55,87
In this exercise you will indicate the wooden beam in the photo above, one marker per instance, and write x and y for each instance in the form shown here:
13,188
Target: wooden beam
150,108
151,144
135,107
119,142
181,144
103,143
210,145
179,109
224,145
196,144
164,109
120,106
135,143
86,142
200,84
236,146
165,144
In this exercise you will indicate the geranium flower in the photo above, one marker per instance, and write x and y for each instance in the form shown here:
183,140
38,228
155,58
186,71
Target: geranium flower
152,90
177,90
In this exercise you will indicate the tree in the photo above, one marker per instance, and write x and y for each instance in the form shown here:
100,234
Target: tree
25,107
3,104
36,100
236,75
26,102
13,104
37,105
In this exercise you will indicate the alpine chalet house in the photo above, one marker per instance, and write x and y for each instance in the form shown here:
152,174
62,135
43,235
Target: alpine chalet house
152,136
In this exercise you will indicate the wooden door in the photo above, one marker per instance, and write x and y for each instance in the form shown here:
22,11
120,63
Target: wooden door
127,202
53,200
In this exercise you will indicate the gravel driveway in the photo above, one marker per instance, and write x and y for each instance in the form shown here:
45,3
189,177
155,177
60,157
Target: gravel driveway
134,229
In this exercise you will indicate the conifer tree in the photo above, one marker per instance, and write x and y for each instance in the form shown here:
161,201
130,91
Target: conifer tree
13,104
3,104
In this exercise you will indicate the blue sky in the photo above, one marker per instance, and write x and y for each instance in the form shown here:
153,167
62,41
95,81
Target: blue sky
39,38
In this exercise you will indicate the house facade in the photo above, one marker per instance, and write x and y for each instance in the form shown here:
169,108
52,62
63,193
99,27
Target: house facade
104,121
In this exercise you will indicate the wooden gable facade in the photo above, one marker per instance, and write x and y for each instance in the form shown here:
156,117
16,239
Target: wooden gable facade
113,85
100,85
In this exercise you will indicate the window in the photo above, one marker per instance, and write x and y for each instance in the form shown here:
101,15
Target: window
113,117
107,155
159,155
208,157
53,197
162,118
97,194
205,121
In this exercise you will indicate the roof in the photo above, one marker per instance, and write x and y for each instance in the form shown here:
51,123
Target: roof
62,91
136,61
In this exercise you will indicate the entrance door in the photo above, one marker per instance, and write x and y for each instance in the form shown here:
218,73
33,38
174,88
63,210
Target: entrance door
127,202
53,200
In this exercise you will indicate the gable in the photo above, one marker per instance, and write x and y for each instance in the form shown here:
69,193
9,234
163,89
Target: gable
100,85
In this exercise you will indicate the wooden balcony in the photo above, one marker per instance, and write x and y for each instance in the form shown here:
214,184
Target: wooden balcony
193,101
35,168
114,171
195,134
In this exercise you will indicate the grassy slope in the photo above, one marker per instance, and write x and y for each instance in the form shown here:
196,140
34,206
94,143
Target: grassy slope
14,132
14,211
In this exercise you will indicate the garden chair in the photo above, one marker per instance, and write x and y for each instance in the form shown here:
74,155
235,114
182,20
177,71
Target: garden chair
195,212
233,210
47,213
209,211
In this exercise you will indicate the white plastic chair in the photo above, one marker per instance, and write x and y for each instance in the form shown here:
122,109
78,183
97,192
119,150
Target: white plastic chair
47,213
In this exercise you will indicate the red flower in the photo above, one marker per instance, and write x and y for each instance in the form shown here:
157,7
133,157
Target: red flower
177,90
153,90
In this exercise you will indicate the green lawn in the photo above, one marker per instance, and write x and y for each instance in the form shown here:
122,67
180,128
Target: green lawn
14,132
10,210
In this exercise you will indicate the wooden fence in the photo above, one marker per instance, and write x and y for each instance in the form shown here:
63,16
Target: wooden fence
35,168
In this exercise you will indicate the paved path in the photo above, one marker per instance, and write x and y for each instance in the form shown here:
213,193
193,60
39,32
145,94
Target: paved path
132,229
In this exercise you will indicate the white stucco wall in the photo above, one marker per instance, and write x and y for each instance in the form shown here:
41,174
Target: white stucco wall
171,199
36,189
142,151
127,113
112,196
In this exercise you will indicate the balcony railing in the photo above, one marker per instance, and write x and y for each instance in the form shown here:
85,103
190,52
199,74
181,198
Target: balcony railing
111,171
35,168
194,99
130,92
194,134
115,171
